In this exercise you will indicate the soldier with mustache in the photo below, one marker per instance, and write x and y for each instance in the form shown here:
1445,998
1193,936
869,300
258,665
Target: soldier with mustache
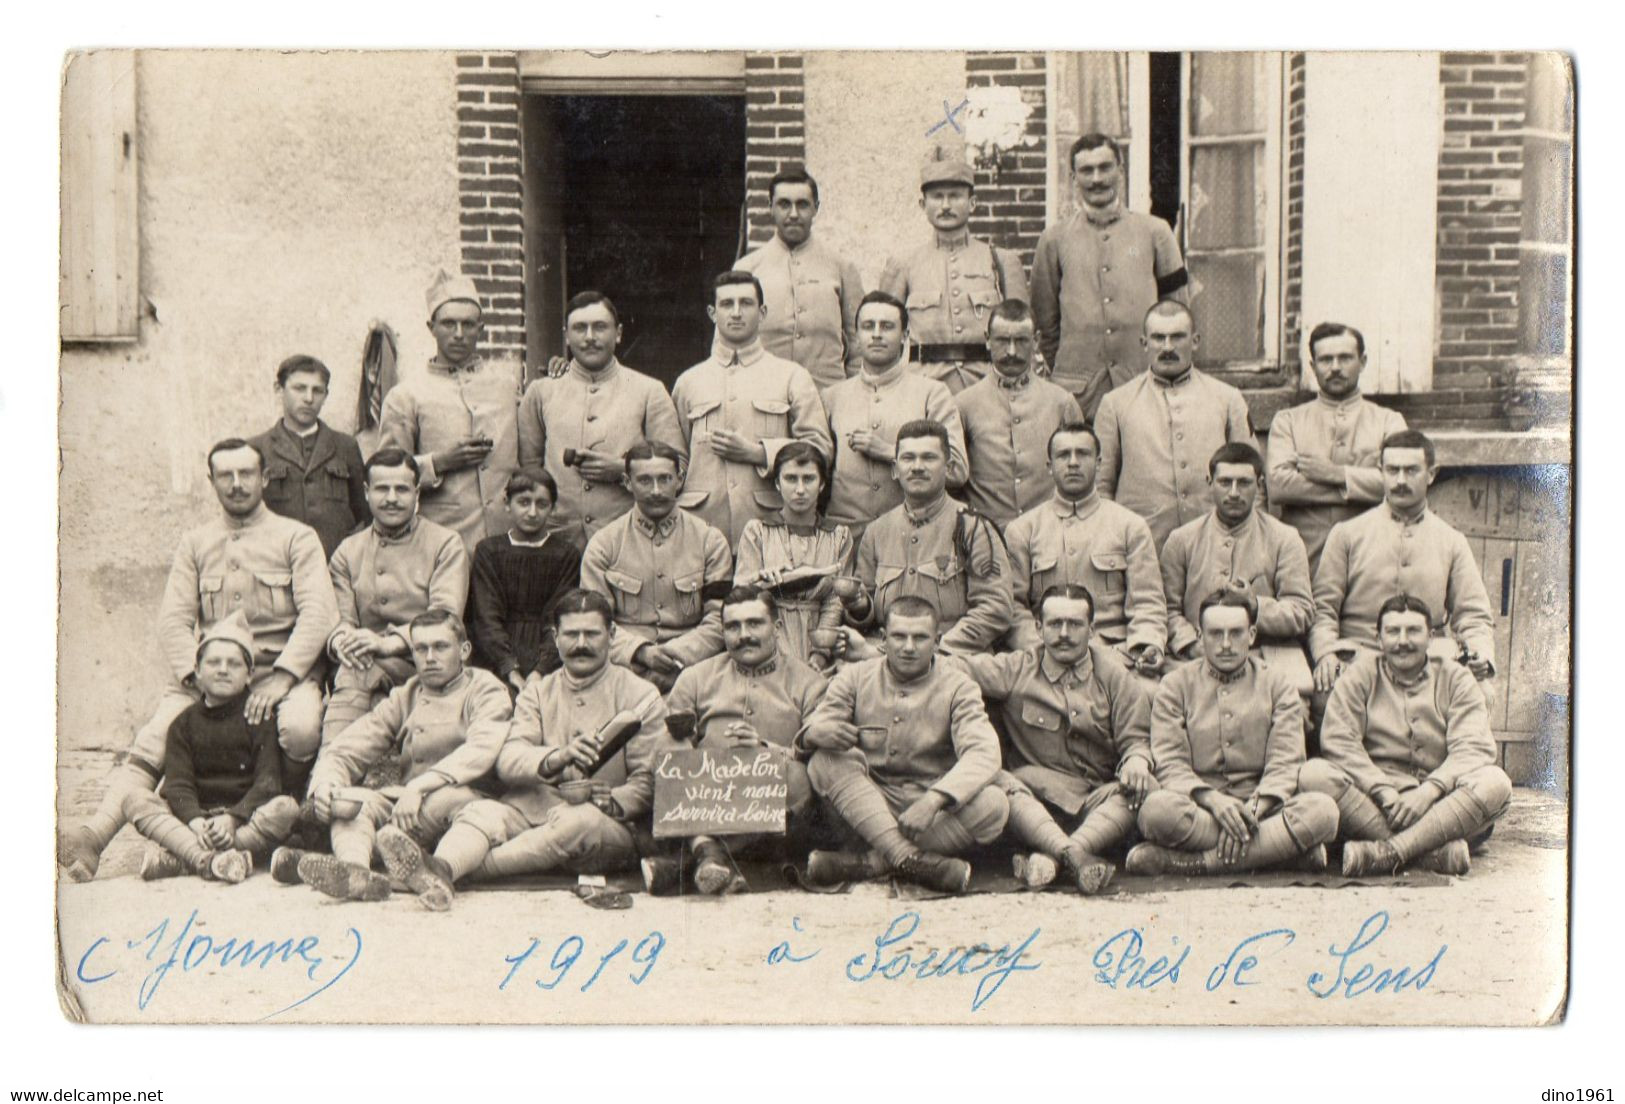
1407,753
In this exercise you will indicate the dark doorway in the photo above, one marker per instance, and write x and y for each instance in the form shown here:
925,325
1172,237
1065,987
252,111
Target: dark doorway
640,197
1167,194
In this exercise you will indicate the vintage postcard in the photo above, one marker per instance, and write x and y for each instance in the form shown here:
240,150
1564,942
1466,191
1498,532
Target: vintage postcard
815,537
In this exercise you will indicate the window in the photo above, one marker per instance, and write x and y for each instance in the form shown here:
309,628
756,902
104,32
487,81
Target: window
1202,139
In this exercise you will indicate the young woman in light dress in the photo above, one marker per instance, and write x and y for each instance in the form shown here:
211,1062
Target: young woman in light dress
799,554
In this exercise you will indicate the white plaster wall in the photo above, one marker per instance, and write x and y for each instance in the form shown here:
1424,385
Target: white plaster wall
867,118
287,199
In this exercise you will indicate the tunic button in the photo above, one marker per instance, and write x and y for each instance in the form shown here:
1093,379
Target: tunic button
589,516
956,310
592,417
959,329
914,540
1105,268
1018,419
1108,329
234,565
956,295
911,571
1108,299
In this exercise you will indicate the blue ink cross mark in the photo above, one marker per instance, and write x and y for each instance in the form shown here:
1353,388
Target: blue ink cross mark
949,117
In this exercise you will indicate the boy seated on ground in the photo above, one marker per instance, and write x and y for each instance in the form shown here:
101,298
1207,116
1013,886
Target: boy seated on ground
446,724
221,806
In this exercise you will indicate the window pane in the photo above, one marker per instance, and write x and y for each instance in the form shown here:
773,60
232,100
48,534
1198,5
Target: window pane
1227,93
1227,206
1227,298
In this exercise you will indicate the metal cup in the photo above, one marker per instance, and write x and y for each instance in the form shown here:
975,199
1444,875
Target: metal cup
682,726
571,458
847,587
825,640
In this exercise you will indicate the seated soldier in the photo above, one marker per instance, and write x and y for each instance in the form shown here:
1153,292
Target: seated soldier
1079,538
1078,747
1407,753
222,805
1227,740
447,723
933,547
249,560
904,753
1243,548
1402,547
398,567
663,569
575,767
757,693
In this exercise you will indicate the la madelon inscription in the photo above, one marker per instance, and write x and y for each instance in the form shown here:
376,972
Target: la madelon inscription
720,792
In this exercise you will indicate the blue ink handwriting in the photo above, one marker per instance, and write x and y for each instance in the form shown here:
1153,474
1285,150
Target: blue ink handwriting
190,949
570,949
784,952
1367,978
995,966
1236,969
1118,962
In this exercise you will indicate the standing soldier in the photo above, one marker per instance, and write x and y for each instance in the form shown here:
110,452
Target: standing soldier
1008,418
811,292
458,419
1323,453
1158,431
952,284
866,411
737,408
1096,274
579,423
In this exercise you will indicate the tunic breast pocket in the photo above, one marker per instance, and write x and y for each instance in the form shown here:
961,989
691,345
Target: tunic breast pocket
211,599
688,589
626,591
1110,571
944,584
1043,718
982,300
698,415
335,483
275,592
770,417
279,484
1044,576
887,577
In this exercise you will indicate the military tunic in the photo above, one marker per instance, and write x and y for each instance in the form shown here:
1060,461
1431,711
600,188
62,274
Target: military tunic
1094,277
1375,556
950,286
1069,729
812,298
1202,556
318,479
1007,430
1156,439
959,566
607,411
432,411
1096,544
761,396
863,486
1240,733
1344,431
665,583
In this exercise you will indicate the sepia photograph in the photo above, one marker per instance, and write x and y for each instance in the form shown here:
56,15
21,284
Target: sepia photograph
815,536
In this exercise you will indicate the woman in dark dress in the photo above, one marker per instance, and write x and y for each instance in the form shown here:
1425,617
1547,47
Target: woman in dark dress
516,578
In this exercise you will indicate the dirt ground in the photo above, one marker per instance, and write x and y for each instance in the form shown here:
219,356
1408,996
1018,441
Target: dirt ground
1489,948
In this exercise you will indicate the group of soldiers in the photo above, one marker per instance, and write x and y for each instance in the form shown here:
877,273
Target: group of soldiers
979,561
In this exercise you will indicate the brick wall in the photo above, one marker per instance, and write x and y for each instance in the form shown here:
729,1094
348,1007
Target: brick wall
489,191
775,131
1011,194
1292,261
1480,210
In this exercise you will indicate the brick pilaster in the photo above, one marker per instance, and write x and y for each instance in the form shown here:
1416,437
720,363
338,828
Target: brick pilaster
1292,261
775,131
1480,211
1010,192
489,182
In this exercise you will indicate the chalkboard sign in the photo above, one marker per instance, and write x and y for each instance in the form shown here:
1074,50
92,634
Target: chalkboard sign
720,791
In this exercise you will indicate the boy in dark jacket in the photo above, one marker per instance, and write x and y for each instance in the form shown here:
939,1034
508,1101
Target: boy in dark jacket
221,805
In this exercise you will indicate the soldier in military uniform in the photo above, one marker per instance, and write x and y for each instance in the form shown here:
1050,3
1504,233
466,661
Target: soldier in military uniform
952,283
